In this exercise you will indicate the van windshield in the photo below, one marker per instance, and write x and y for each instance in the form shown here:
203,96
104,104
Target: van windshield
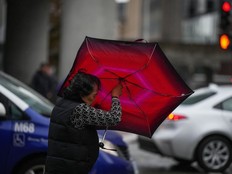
36,101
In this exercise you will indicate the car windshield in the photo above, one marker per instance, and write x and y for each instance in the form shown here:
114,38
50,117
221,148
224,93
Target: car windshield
195,98
28,95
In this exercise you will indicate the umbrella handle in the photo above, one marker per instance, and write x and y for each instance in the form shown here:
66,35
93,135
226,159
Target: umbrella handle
104,135
101,144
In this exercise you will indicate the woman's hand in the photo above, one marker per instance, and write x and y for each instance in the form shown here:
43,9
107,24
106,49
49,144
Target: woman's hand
117,90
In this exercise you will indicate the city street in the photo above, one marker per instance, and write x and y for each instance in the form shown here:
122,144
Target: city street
150,163
158,72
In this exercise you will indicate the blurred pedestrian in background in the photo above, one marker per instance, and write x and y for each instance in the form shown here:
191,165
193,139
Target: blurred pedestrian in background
44,81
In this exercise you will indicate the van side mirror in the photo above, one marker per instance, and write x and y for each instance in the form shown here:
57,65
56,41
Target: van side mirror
2,111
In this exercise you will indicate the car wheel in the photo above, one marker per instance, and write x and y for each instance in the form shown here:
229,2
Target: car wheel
214,154
34,166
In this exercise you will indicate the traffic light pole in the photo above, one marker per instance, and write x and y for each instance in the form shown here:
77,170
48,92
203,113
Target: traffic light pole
225,34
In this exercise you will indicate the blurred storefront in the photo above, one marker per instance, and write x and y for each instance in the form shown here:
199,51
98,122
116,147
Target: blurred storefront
188,31
52,30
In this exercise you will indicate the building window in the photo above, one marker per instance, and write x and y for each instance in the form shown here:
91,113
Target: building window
210,6
192,9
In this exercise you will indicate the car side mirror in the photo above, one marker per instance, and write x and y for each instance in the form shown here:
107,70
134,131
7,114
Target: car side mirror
2,111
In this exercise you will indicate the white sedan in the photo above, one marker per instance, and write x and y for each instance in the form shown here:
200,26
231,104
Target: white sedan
200,129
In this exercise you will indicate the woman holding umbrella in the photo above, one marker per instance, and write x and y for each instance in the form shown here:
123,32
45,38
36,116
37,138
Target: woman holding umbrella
73,144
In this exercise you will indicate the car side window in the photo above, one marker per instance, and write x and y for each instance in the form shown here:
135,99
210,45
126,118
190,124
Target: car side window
16,113
5,102
12,111
227,105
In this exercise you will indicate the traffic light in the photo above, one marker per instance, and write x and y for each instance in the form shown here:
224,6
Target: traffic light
225,14
224,41
225,24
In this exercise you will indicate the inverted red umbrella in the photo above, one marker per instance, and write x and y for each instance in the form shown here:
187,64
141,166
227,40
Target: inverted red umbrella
151,87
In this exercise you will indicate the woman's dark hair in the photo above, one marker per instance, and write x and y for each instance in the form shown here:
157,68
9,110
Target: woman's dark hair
81,85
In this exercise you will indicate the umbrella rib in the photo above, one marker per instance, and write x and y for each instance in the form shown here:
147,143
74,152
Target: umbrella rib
112,73
105,97
87,43
137,106
164,95
107,78
144,66
152,54
124,78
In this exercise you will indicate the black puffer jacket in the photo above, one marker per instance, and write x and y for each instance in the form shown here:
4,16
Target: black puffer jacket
75,154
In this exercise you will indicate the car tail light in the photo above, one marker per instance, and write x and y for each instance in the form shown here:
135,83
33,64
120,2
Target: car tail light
176,117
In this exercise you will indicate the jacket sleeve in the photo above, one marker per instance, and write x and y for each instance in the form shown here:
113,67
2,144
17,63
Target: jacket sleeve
84,114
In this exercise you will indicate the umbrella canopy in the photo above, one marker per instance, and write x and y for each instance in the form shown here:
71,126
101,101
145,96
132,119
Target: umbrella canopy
152,88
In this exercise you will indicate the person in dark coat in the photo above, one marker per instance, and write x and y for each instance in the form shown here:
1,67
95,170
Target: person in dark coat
73,144
44,82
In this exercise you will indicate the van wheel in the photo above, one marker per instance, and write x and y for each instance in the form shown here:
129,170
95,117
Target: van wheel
33,166
214,154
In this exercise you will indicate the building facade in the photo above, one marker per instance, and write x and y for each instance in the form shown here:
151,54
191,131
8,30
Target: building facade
187,31
29,29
